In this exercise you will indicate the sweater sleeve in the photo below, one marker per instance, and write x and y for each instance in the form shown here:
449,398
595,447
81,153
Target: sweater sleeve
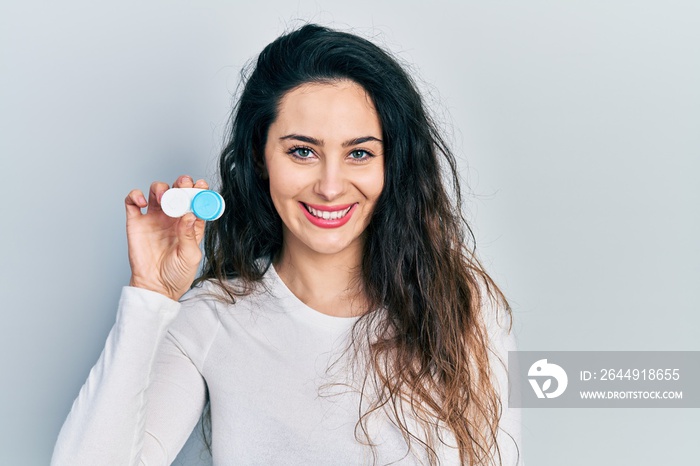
142,398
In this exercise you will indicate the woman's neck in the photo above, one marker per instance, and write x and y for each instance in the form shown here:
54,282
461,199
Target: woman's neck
328,283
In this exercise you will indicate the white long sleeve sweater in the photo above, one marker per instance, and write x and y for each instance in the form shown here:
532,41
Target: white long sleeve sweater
263,362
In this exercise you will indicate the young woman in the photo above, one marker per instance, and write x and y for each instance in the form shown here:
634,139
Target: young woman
341,317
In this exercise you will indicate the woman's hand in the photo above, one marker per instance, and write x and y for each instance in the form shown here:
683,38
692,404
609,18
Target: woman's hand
164,252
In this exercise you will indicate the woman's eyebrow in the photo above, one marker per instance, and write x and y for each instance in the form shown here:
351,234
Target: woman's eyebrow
353,142
320,142
299,137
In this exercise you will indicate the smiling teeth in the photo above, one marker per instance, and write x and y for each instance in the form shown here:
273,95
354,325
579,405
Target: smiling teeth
327,215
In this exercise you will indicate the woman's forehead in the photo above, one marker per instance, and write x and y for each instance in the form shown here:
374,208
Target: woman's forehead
338,109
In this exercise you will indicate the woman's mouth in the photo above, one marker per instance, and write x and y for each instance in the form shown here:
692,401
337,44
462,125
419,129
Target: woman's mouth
328,216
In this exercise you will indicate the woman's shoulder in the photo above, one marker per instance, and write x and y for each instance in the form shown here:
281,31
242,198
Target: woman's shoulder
498,319
202,310
214,294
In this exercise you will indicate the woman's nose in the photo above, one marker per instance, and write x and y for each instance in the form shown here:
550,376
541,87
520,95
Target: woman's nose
332,180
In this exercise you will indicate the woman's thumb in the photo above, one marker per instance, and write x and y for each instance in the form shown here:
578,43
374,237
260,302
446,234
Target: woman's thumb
186,232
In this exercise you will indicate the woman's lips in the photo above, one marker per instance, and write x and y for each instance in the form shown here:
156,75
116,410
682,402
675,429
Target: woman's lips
328,211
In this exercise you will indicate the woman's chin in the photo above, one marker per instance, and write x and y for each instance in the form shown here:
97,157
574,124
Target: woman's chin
329,246
330,249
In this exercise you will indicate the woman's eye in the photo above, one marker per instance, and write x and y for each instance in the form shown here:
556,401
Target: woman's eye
301,152
359,154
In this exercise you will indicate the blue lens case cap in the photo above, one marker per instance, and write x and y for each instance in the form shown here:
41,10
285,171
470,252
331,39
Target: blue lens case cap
208,205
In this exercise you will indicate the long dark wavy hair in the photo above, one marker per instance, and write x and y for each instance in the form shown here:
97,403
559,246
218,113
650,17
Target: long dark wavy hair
430,349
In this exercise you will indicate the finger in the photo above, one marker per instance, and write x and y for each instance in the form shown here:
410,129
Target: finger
134,202
185,181
199,226
187,237
154,195
201,184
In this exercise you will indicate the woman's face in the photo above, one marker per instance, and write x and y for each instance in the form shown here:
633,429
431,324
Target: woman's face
325,162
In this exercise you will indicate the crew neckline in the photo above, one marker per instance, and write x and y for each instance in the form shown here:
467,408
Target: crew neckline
304,311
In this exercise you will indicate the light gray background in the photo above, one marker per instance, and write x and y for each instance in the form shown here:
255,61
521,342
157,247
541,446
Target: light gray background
576,124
